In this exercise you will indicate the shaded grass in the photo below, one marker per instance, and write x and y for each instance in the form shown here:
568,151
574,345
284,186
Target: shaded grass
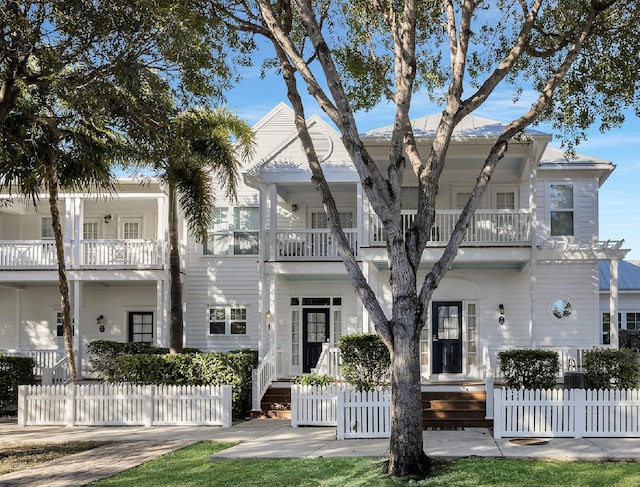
191,466
18,456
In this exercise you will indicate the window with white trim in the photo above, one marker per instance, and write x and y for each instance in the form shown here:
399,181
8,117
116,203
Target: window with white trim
471,334
235,231
227,320
561,209
46,228
60,328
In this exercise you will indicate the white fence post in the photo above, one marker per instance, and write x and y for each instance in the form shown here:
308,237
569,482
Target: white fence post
341,416
149,394
579,397
498,416
295,409
23,392
70,392
226,406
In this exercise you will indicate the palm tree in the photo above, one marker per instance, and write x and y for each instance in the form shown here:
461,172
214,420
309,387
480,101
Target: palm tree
56,156
206,151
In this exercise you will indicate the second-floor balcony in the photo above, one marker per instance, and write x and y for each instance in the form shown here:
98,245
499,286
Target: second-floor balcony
89,254
487,228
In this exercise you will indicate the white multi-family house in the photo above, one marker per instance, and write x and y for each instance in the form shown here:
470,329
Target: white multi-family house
270,277
115,249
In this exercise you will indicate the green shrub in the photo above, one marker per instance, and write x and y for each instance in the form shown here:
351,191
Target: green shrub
609,368
312,380
529,369
235,369
629,339
105,352
365,360
14,371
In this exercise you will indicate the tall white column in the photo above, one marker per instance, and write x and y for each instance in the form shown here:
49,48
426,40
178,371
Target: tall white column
613,302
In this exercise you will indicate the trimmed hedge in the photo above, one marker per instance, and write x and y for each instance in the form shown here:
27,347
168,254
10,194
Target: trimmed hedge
365,360
105,352
312,380
529,369
629,339
609,368
14,371
155,366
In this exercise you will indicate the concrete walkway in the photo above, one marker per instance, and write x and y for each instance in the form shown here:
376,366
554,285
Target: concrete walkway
273,438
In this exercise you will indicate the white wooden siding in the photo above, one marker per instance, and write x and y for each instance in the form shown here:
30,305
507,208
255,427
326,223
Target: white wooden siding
578,283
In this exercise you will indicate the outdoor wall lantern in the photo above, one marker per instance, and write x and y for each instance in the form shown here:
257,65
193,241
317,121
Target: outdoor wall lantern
268,317
501,318
107,218
99,322
294,207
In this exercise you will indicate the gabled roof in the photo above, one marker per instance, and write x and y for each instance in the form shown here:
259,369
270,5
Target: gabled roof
628,276
470,126
557,159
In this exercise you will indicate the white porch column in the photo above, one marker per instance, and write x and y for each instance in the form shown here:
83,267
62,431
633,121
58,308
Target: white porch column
273,220
67,230
362,217
533,241
265,236
613,302
162,323
78,218
161,229
77,323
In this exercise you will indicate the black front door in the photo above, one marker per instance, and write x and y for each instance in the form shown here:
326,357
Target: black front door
315,332
447,337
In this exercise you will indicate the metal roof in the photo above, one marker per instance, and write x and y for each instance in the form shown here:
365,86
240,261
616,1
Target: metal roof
628,276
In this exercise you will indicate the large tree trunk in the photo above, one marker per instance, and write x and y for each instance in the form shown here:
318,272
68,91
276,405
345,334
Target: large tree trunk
406,453
51,166
176,325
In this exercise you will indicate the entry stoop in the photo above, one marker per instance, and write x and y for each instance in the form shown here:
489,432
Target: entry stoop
454,409
276,402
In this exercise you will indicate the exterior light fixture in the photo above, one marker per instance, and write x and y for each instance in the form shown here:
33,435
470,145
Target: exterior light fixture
107,218
99,319
501,318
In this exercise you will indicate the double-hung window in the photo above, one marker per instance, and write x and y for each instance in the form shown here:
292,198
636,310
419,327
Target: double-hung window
235,231
228,320
561,207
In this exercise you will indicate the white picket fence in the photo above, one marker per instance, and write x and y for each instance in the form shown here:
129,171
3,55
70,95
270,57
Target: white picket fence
356,414
124,404
573,413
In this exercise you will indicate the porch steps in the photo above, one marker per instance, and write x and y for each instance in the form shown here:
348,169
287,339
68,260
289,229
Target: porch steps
440,409
276,402
452,409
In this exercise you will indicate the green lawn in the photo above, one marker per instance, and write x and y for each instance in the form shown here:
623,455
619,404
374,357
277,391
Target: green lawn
191,467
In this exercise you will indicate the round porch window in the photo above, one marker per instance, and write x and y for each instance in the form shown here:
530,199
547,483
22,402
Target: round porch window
561,308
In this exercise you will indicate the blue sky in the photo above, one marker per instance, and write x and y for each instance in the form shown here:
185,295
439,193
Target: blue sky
619,217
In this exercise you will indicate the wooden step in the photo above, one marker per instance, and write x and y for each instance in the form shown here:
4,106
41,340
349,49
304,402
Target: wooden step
453,409
275,398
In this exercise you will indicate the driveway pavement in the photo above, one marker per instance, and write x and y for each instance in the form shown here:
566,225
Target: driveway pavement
274,438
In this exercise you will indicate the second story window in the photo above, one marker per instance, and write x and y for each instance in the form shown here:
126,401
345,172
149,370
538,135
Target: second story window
561,209
235,231
46,228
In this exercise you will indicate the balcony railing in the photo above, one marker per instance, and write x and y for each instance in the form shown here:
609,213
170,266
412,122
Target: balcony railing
307,244
27,254
94,254
121,253
487,227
